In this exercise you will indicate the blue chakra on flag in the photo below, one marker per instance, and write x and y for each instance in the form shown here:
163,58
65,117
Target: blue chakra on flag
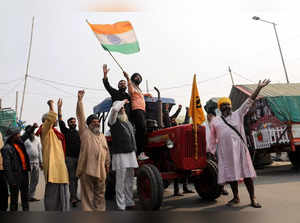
114,39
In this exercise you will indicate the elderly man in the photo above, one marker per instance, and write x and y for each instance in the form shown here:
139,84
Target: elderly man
94,160
34,151
234,161
3,182
123,154
55,169
16,166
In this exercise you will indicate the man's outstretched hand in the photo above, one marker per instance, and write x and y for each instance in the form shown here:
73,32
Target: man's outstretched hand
264,83
105,70
126,75
80,95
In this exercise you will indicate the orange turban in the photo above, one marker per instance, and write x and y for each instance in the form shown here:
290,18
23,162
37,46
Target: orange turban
224,101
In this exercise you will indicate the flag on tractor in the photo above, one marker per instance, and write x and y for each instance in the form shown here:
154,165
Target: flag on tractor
119,37
196,110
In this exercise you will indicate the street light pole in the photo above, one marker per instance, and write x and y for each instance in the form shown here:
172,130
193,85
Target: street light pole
274,26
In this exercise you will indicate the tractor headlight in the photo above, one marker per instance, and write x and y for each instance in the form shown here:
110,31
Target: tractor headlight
170,144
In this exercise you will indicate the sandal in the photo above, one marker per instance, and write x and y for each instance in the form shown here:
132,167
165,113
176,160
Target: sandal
233,202
255,204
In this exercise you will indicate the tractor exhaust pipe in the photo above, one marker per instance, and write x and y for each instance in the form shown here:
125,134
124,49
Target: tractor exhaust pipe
159,110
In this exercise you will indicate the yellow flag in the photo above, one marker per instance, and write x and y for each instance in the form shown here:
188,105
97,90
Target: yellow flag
195,110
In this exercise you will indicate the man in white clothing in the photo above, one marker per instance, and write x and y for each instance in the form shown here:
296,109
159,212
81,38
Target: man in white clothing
123,154
34,151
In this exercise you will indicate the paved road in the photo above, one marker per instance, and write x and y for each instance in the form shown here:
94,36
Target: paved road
277,189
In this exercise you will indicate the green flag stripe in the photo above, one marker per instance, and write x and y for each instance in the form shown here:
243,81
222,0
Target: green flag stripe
127,48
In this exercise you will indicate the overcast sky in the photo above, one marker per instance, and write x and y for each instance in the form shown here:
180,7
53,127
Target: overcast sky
177,39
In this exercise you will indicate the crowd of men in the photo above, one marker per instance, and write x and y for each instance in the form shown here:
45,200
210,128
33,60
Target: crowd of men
69,155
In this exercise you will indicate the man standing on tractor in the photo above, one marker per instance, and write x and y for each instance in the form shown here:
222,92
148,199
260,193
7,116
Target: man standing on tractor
117,95
123,154
234,161
138,108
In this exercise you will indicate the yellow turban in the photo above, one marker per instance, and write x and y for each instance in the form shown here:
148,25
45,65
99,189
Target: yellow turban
224,101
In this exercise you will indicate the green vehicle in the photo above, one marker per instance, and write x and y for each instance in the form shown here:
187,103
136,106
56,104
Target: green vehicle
8,118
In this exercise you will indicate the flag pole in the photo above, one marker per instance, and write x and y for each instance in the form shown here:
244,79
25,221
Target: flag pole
107,50
27,68
196,140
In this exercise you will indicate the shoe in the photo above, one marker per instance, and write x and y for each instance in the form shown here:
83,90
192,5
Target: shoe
187,191
233,202
74,204
143,156
118,209
131,207
255,204
178,195
33,199
224,192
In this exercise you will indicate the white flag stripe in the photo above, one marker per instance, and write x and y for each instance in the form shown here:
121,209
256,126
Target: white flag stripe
117,39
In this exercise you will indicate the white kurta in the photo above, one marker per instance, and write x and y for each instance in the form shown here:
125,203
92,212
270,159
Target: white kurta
123,164
234,161
124,160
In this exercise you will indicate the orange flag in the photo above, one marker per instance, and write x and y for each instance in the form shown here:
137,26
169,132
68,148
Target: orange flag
196,110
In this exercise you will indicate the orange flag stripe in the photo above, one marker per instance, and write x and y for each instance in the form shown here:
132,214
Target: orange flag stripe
116,28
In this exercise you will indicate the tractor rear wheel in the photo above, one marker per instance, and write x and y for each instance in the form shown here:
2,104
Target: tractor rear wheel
149,188
206,184
295,158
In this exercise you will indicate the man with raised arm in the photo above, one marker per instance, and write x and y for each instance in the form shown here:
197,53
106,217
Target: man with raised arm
117,95
54,165
138,108
228,134
72,151
94,160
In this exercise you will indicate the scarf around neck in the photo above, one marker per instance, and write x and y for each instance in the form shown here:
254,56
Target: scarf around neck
59,135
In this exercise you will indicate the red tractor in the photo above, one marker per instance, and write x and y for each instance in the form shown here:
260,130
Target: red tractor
172,155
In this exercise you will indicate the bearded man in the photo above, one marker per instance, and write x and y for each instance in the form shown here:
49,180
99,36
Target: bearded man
72,151
117,95
123,154
228,135
94,160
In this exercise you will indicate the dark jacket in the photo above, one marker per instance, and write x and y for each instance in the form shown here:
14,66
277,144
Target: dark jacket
117,95
12,163
123,140
72,140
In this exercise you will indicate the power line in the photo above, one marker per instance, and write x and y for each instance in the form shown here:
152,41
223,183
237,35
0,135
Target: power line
9,82
65,84
12,90
187,85
243,77
56,88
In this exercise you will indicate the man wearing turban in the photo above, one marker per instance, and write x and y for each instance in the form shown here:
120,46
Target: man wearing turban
234,161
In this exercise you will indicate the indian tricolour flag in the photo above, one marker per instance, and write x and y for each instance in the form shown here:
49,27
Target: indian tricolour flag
119,37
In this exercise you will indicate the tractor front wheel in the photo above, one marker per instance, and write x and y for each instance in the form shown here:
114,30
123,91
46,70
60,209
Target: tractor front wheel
206,184
149,187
